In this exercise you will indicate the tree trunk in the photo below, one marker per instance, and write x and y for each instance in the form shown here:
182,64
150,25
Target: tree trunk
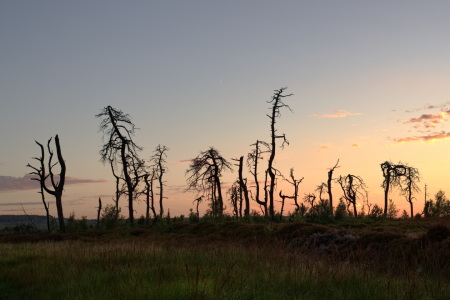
59,209
386,195
99,211
244,189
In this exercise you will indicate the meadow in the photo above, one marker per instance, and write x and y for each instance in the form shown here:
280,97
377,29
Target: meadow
356,259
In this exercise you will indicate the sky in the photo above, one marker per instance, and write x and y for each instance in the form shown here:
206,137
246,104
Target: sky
370,83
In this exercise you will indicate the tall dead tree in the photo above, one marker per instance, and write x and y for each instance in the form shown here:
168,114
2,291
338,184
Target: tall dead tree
277,104
353,188
159,161
252,163
243,190
330,178
57,181
204,175
409,186
149,177
120,148
392,175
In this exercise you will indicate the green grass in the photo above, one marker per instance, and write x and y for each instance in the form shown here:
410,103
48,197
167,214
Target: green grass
233,261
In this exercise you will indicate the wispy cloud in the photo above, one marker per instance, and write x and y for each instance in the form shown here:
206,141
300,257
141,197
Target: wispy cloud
336,114
356,145
430,120
182,162
442,106
425,138
9,183
323,148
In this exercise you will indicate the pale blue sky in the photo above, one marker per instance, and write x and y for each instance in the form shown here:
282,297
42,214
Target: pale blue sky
194,74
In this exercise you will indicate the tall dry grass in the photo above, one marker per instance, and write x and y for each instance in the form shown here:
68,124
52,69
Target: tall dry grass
207,265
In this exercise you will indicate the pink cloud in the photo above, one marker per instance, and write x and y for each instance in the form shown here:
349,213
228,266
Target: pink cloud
356,145
425,138
429,120
182,162
9,183
336,114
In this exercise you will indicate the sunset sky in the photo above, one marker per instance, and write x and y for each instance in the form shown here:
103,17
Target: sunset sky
371,82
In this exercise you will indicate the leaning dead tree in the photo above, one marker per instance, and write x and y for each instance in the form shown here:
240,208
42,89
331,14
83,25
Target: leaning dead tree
253,159
57,181
118,131
330,178
354,189
204,175
277,104
392,175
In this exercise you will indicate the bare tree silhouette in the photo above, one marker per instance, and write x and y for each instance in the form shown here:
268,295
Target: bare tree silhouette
295,183
353,188
252,162
409,186
118,131
392,176
99,209
120,188
149,177
320,189
277,103
57,184
159,161
330,178
204,174
235,194
243,190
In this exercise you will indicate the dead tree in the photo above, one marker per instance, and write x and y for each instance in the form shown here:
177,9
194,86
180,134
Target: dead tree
99,209
149,177
198,200
204,175
320,189
57,182
330,178
277,103
243,190
295,183
118,131
283,200
38,172
353,188
120,189
236,199
392,175
159,161
310,199
409,186
252,163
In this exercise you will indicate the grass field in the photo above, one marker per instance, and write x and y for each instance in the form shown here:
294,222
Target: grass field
232,260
